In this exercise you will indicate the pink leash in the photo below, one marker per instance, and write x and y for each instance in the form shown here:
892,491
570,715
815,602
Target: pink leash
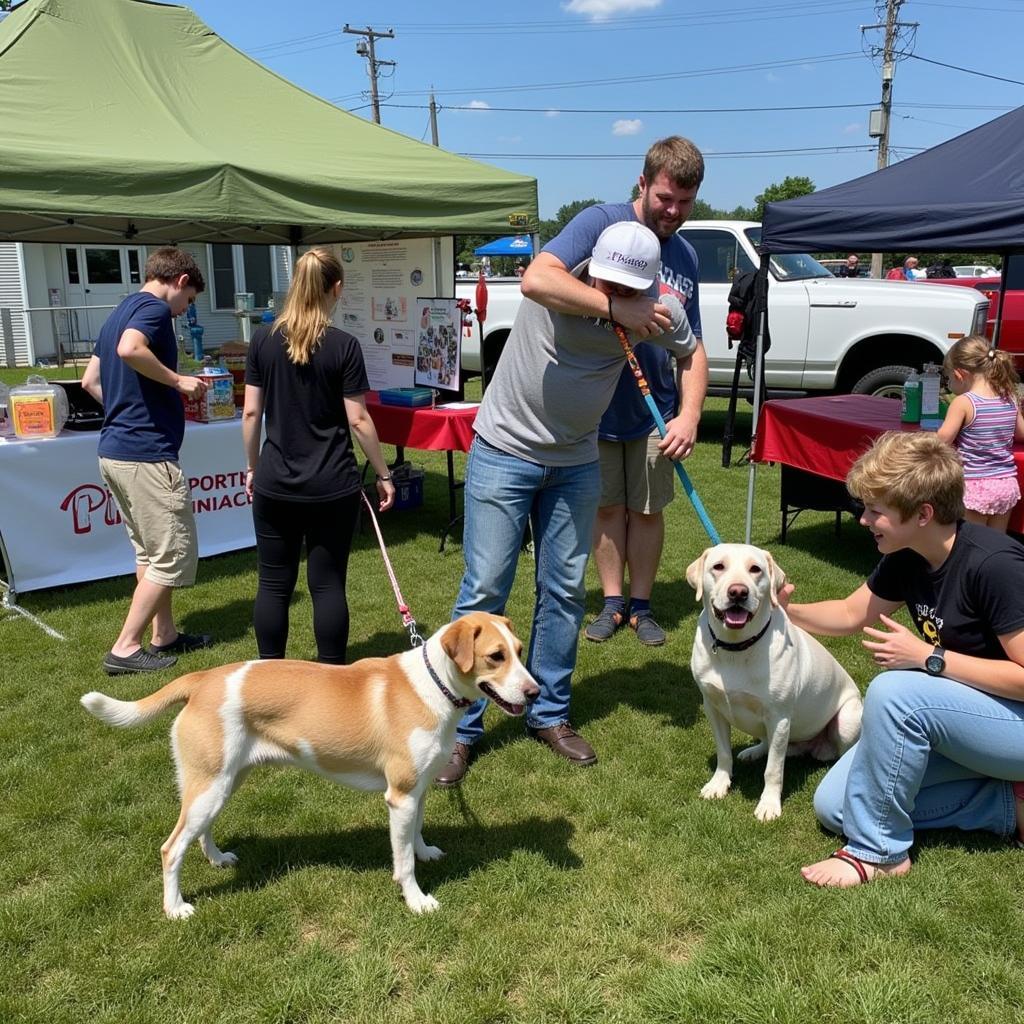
415,640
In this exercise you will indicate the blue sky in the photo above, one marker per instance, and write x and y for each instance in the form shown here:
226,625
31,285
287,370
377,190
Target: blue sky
599,74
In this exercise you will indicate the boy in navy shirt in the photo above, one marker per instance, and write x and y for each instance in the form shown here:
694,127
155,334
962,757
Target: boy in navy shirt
133,373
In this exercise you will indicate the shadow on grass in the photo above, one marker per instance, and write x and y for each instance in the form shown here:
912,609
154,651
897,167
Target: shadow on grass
468,847
748,776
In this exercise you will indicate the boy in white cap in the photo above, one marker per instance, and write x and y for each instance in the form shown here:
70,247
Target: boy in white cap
534,459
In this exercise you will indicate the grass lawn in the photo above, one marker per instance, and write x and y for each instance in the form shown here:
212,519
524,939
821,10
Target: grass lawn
606,894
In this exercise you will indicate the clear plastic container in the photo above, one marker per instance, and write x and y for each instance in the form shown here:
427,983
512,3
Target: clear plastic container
37,408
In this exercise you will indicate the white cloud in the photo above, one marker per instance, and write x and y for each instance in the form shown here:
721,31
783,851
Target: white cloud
478,105
853,128
551,113
598,10
771,77
627,127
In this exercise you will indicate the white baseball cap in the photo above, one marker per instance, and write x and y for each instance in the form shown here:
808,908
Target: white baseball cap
627,253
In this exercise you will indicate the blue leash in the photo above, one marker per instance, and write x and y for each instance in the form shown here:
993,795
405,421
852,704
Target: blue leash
684,478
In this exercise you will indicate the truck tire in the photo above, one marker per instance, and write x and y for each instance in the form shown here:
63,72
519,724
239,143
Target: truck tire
883,382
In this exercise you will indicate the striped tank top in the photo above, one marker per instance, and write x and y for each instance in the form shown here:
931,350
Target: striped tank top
985,445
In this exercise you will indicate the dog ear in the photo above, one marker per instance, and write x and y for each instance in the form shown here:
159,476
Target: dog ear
695,573
459,642
777,577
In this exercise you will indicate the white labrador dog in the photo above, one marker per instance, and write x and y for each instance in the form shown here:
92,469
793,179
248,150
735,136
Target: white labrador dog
764,675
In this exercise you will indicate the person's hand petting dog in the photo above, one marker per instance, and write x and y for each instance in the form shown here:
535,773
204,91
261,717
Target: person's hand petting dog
896,649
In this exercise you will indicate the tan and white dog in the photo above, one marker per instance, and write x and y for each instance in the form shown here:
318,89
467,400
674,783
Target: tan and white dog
764,675
378,724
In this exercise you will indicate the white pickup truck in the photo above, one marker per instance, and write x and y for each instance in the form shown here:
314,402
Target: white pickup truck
851,335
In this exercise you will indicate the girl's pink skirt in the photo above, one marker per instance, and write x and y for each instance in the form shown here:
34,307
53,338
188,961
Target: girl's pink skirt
991,495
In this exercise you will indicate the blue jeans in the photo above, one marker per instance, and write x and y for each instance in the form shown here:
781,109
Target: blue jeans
502,493
933,753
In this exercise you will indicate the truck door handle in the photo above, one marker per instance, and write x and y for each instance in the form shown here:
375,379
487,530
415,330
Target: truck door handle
841,304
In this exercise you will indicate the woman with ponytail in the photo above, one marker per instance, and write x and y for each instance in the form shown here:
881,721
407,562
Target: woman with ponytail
981,422
307,380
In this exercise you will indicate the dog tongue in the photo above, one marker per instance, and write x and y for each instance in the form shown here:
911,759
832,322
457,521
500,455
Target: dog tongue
736,618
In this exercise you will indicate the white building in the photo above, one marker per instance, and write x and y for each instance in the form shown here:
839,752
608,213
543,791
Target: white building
37,276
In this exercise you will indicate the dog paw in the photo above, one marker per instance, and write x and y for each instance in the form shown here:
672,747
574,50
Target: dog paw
768,808
753,753
224,860
181,912
424,852
717,787
421,903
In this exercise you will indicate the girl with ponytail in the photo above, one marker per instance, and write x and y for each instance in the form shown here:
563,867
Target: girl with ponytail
305,379
981,422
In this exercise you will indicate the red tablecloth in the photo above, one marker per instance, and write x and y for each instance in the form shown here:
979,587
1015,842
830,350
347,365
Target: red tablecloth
440,429
826,435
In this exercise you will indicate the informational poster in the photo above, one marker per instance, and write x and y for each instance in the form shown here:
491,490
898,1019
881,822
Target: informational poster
438,344
380,300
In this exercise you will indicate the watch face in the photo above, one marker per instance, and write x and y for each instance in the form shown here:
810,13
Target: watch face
935,664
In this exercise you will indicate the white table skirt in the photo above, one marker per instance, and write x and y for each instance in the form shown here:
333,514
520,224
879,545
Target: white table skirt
59,524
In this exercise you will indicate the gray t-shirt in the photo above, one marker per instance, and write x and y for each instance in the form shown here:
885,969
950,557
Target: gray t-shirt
554,381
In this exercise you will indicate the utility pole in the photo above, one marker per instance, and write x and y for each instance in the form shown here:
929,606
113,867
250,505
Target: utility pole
892,27
433,119
365,48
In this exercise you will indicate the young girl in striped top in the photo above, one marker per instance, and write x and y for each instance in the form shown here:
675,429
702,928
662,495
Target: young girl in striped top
982,422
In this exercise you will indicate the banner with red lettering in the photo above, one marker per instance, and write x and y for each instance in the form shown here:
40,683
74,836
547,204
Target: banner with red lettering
59,524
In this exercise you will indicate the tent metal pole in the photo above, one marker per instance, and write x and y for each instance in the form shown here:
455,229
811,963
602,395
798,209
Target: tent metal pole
762,324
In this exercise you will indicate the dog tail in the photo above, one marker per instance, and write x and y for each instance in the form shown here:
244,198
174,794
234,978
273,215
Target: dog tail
127,713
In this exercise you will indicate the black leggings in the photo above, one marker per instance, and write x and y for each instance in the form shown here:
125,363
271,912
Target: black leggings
281,527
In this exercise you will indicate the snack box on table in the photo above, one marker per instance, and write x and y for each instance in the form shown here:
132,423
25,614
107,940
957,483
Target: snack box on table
218,402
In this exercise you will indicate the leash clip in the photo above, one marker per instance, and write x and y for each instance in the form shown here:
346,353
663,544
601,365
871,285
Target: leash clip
415,640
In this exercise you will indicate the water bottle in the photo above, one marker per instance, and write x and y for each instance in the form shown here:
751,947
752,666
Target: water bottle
910,410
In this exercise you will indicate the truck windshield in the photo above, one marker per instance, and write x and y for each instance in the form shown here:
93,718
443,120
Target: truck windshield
790,266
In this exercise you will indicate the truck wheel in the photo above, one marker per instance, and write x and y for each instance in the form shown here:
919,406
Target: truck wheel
883,382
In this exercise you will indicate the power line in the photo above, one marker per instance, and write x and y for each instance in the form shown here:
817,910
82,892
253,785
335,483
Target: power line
628,110
708,155
966,71
582,83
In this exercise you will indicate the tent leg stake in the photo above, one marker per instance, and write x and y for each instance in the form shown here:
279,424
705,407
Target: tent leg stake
8,603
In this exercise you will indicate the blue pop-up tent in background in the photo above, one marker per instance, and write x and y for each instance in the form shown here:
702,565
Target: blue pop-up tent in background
512,245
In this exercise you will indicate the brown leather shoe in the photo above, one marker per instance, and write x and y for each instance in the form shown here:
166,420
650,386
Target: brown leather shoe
458,764
566,742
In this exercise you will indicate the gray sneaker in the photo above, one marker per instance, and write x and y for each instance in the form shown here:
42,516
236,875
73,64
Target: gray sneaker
604,626
140,661
647,630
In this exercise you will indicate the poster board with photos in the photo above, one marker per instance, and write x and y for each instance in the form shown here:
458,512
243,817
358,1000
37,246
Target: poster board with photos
439,346
379,300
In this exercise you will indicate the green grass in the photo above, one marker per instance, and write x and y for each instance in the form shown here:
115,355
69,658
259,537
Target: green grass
606,894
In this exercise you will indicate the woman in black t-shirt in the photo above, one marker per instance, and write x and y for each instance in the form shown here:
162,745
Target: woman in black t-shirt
942,738
307,379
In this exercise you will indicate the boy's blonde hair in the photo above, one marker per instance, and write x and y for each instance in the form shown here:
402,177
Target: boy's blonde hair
906,471
975,354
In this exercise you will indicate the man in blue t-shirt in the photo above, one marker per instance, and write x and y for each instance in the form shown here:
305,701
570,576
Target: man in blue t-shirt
133,373
636,464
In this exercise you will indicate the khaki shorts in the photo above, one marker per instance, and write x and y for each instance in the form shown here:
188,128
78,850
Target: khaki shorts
156,506
636,474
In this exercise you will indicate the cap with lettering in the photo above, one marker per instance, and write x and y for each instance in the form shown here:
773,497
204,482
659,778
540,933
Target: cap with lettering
627,253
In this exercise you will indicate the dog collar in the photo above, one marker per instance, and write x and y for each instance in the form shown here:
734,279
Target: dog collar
742,645
459,702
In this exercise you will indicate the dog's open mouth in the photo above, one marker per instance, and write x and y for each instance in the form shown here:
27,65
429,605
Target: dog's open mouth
734,617
506,706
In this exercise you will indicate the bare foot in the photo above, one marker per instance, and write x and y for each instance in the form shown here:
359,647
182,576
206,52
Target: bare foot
843,871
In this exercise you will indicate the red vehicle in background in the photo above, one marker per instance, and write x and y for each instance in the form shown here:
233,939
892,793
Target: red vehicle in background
1011,330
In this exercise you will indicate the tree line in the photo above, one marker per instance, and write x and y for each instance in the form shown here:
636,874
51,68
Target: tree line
790,187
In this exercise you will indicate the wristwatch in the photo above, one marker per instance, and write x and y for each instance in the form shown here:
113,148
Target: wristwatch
935,663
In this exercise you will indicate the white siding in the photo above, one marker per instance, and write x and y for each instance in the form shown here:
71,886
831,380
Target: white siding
11,297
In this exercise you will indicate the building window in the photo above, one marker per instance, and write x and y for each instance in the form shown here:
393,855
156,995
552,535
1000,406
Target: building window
240,268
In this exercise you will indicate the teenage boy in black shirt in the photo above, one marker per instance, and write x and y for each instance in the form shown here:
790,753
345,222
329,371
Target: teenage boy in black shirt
942,738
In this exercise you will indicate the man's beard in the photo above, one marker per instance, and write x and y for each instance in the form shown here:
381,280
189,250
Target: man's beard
658,225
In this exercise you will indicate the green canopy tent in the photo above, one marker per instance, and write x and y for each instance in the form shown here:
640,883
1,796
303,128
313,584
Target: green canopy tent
132,121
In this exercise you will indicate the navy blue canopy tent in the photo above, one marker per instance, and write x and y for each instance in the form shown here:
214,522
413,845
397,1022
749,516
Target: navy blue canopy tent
965,194
513,245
